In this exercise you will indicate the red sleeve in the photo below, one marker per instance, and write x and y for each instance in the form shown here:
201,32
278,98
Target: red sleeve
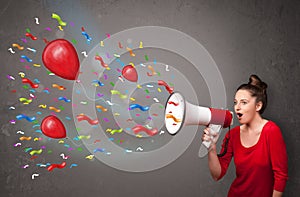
226,159
278,157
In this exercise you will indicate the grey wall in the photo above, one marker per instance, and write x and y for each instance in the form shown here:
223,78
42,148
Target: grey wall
243,37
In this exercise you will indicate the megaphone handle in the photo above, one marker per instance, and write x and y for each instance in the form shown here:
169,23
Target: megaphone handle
213,129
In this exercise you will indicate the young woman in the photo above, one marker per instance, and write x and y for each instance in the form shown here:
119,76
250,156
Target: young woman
257,147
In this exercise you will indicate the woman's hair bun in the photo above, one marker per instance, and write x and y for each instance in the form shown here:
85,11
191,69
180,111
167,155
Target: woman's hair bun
256,81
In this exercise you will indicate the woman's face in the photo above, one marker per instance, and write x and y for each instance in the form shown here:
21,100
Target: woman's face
245,106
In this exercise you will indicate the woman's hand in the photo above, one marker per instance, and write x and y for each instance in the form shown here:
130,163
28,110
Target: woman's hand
210,136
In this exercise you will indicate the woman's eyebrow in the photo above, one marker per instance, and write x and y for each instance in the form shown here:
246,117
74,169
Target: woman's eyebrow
241,100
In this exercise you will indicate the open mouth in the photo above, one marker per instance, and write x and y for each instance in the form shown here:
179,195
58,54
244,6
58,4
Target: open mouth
239,115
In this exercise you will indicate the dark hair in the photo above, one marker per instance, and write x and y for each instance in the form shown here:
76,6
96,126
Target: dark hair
258,89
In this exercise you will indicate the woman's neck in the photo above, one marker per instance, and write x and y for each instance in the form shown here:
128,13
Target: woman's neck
256,124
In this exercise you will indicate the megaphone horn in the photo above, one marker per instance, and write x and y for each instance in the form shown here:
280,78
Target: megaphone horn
179,112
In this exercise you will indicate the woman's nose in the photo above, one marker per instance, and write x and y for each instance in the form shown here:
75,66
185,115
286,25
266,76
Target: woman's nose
237,107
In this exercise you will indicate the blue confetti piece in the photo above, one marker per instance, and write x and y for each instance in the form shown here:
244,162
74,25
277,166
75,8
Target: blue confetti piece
121,63
40,164
134,106
27,58
76,138
99,150
98,82
36,81
38,131
73,165
36,125
29,119
64,99
88,38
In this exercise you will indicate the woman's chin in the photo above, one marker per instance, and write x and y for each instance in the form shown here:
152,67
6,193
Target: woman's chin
241,121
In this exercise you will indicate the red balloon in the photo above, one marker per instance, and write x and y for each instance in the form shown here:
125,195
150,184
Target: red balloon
129,72
61,58
52,127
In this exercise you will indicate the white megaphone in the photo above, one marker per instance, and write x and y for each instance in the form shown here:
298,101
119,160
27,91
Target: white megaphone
179,112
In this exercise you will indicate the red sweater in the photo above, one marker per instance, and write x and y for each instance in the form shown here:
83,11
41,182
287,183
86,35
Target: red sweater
261,168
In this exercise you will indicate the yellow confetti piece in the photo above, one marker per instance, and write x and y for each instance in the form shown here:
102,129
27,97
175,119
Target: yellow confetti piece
132,64
90,157
60,28
139,86
61,141
37,65
114,131
25,101
141,45
84,137
101,43
122,96
59,20
36,152
139,136
116,114
43,106
133,99
158,89
22,75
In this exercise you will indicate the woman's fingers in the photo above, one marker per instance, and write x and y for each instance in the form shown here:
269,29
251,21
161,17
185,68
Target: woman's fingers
206,131
206,135
206,138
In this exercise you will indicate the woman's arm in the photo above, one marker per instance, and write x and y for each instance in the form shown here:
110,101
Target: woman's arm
214,163
277,193
279,158
218,165
213,160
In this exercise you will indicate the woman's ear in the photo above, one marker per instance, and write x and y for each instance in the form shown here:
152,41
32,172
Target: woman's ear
258,106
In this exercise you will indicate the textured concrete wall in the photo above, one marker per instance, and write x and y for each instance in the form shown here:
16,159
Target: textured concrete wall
243,37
